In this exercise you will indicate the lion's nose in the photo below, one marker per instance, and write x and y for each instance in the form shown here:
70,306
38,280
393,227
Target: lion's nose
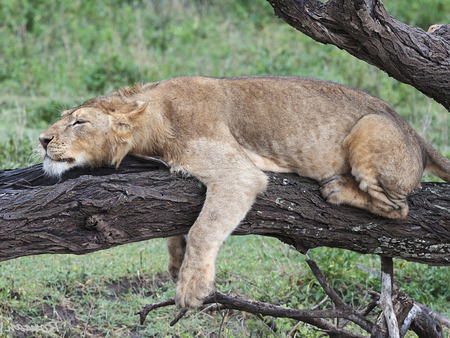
45,141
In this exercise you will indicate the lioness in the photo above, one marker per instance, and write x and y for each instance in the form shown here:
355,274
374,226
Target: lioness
226,132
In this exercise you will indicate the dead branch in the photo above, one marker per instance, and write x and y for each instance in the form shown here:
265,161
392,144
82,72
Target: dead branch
353,315
407,315
261,308
387,281
435,316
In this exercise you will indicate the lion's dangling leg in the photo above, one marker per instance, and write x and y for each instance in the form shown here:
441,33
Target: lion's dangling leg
232,182
176,246
383,169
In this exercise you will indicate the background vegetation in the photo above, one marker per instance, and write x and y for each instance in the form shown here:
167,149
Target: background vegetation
59,53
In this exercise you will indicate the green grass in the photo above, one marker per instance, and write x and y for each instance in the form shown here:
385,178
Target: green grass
57,54
113,284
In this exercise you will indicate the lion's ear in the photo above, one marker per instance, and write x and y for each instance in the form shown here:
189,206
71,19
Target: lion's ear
139,108
132,109
129,114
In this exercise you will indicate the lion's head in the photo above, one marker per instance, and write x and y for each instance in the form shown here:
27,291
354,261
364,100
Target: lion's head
99,132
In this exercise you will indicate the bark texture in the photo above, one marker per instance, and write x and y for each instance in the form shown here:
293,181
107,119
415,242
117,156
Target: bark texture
365,30
94,210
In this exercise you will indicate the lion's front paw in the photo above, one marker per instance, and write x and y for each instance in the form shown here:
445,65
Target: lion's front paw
193,287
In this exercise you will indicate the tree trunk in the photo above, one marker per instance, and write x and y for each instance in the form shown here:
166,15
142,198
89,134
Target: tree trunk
94,210
365,30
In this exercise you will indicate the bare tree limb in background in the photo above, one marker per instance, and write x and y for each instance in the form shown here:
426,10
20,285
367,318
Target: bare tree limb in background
417,319
365,30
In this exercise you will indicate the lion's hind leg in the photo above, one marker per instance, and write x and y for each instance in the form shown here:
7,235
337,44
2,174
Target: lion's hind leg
176,246
385,166
344,189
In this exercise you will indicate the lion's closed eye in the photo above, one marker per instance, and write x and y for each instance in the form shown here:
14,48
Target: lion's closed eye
79,122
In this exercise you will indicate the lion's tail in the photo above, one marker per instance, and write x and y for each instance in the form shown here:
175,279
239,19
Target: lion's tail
436,163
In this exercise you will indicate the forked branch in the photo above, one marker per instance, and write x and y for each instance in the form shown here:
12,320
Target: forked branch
316,317
313,317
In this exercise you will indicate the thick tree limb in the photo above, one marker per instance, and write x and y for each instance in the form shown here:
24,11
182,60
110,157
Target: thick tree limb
88,213
365,30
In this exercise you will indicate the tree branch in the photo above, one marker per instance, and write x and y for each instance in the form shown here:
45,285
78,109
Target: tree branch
387,281
95,210
365,30
403,310
352,315
313,317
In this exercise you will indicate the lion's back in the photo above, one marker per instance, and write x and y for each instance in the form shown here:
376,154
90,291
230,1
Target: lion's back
295,118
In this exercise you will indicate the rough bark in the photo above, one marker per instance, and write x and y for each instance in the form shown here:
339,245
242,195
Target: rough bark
95,210
365,30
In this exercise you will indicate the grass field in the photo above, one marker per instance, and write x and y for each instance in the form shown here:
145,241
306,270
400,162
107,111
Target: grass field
56,54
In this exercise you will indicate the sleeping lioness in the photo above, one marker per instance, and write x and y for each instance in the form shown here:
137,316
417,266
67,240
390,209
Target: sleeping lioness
226,132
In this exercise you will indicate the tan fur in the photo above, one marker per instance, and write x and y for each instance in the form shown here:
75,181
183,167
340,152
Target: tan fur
226,131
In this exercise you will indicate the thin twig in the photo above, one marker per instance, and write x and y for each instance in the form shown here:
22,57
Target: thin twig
326,299
368,309
179,316
325,285
292,332
144,311
87,321
269,322
351,314
212,307
224,316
